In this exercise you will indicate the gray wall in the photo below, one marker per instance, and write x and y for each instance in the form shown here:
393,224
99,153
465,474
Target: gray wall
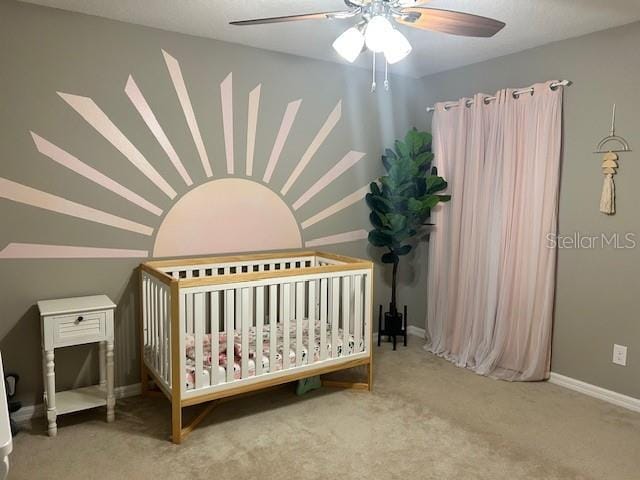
597,299
43,51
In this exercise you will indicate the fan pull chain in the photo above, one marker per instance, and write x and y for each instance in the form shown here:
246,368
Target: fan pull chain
373,76
386,74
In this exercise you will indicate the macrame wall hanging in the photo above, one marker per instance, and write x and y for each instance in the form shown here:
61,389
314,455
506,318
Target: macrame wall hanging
610,165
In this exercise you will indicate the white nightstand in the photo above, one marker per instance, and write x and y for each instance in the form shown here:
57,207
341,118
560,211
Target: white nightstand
76,321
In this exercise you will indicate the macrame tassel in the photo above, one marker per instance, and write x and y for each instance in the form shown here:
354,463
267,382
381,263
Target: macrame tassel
608,199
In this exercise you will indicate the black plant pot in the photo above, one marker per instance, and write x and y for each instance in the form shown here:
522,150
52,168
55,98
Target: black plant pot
395,325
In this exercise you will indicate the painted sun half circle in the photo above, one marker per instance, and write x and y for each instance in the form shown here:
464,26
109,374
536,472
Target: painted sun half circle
224,216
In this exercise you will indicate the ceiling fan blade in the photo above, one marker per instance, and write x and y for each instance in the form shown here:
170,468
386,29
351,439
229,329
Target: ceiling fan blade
292,18
446,21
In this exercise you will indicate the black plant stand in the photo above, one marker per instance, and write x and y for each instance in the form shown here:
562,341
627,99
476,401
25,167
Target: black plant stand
394,326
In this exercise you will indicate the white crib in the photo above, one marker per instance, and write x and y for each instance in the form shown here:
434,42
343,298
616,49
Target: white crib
292,315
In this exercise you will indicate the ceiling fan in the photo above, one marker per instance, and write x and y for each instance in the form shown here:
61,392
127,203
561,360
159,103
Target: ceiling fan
376,32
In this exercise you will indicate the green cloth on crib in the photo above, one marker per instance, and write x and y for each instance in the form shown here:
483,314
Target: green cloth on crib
308,384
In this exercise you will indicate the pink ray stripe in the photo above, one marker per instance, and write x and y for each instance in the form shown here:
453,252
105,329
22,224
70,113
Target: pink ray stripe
252,123
138,100
37,198
226,97
34,250
88,110
338,238
348,161
285,127
347,201
183,96
65,159
320,137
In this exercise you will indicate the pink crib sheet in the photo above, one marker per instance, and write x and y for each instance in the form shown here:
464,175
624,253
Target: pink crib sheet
238,354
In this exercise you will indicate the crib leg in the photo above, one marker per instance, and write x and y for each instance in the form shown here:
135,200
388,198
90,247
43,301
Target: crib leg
176,423
368,385
144,379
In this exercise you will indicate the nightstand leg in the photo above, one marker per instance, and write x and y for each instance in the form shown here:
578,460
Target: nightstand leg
111,401
51,393
103,364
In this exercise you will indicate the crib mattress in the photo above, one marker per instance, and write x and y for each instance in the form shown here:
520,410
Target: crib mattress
344,347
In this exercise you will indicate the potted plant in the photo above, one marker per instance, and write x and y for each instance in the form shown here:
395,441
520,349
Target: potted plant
400,203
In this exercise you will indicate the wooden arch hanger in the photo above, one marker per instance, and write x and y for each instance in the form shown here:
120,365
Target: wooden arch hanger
612,137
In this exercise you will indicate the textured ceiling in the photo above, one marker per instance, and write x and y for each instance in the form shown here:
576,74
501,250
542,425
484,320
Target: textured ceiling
529,23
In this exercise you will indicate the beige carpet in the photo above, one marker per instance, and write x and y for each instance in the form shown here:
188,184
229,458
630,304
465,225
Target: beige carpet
425,419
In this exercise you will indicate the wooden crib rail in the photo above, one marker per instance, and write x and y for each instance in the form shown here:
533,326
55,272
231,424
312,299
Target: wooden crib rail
254,276
158,264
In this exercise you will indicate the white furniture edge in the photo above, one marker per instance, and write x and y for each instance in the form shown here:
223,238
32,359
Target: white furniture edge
31,412
64,306
594,391
6,439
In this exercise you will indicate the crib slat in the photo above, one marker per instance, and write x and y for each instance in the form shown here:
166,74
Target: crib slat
259,325
181,341
150,326
300,300
229,317
346,313
311,345
238,321
335,314
273,321
367,312
161,331
215,337
154,324
357,313
145,313
167,333
286,343
189,310
324,303
167,347
246,319
198,323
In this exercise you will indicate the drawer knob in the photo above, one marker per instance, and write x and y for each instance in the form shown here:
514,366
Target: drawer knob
80,318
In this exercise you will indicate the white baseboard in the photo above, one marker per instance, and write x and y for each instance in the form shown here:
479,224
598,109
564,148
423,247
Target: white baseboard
610,396
416,331
411,330
31,412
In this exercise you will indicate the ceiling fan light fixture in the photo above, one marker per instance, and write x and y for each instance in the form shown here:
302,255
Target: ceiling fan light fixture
397,47
377,34
349,44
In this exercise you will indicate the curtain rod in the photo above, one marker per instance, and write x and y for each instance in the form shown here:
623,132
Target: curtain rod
517,93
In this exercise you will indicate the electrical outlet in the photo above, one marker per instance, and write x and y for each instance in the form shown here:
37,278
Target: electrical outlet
620,355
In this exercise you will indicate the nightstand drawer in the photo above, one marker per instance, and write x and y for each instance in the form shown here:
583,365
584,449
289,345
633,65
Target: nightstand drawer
79,328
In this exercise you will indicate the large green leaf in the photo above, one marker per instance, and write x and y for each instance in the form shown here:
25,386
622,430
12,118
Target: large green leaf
378,203
375,189
401,149
435,184
380,239
415,140
378,220
397,222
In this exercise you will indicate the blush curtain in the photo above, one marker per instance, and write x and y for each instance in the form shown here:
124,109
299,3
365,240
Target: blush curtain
491,277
